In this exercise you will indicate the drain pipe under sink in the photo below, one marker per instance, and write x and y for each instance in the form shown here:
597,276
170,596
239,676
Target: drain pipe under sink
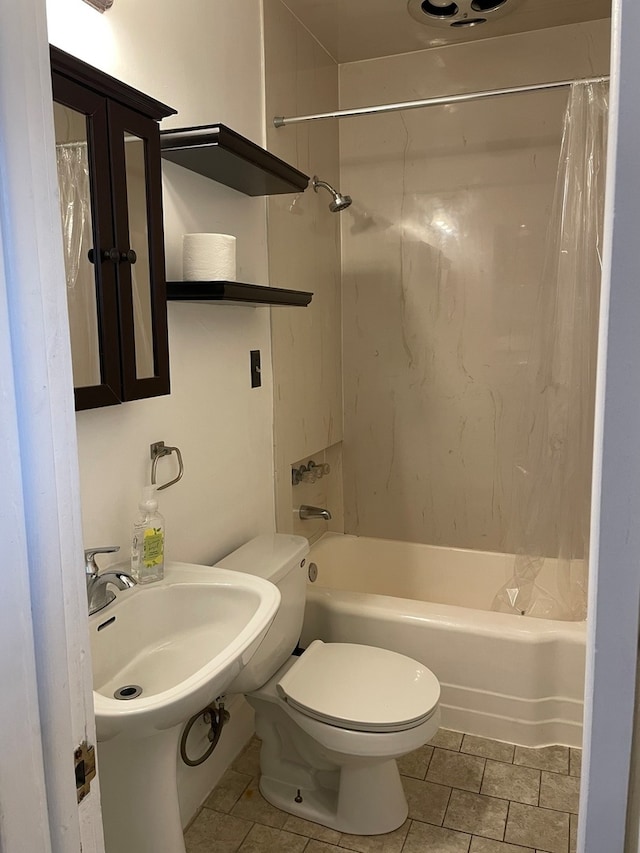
216,716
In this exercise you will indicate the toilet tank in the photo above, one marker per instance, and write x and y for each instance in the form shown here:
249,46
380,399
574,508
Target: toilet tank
279,558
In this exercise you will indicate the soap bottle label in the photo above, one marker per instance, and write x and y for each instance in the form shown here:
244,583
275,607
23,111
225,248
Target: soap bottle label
152,547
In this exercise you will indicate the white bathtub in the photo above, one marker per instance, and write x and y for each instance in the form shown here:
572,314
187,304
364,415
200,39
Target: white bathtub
512,678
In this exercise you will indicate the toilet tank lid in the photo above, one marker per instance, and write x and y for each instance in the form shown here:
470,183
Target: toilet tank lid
270,556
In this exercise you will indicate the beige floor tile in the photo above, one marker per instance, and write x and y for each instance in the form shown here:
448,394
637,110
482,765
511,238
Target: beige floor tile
228,791
266,839
560,792
446,812
555,759
521,784
416,763
427,801
541,828
315,846
487,845
486,748
311,830
216,831
456,770
476,814
390,842
423,837
253,806
248,761
446,739
575,762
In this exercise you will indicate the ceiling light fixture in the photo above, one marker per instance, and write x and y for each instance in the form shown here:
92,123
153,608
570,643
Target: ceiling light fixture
469,22
461,13
100,5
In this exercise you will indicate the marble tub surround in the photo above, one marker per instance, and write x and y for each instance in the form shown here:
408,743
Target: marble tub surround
455,805
442,259
325,492
304,253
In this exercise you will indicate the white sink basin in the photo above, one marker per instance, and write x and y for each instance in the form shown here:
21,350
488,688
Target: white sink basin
181,640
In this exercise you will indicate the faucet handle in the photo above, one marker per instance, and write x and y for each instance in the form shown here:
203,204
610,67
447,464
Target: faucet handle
91,567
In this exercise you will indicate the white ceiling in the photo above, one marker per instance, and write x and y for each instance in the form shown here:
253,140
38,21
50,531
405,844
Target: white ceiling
363,29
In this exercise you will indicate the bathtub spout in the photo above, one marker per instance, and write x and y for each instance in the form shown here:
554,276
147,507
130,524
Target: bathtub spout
306,512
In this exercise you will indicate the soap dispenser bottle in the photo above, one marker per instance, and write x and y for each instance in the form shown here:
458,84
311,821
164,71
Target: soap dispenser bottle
147,544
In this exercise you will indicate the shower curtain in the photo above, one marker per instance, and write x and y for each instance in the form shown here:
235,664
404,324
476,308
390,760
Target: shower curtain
552,476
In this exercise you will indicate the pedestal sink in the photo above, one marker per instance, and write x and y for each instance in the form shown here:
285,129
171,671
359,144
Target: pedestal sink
173,646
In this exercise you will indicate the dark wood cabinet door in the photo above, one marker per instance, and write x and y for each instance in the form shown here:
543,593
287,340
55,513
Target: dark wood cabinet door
88,233
109,176
136,174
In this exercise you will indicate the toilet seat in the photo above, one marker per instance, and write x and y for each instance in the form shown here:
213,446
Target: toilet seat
357,675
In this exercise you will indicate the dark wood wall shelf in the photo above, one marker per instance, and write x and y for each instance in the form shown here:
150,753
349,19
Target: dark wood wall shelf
219,153
236,293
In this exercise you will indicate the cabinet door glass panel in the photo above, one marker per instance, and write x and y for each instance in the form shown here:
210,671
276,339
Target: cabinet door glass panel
135,165
77,232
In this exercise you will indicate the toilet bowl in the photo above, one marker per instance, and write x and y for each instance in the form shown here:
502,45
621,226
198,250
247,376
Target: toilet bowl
329,751
333,719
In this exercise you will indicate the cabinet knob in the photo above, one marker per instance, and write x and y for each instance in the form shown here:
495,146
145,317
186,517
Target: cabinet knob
129,256
112,255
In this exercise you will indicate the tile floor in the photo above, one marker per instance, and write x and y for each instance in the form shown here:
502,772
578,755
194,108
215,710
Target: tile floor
466,794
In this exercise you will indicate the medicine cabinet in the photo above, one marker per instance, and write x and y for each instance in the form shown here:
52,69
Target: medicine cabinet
109,176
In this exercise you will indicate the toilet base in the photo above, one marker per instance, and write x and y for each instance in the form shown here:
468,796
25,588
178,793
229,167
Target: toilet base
369,799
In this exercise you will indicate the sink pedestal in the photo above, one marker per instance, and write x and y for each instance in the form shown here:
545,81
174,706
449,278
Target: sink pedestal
139,793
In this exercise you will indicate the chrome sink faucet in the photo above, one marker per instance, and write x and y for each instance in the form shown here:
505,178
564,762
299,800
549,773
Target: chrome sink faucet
307,512
98,596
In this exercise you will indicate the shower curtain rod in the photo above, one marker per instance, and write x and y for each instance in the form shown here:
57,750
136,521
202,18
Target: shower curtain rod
282,121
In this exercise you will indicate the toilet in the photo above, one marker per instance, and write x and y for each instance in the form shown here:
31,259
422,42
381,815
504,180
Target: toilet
333,719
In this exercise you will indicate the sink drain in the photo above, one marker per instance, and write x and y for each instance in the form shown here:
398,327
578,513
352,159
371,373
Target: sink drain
129,691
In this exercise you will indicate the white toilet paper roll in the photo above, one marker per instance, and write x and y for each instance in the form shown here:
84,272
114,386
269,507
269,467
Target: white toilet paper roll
209,257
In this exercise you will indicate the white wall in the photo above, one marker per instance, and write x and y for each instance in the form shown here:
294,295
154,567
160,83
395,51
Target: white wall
613,760
203,57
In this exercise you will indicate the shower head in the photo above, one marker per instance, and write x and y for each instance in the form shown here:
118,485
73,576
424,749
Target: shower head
340,202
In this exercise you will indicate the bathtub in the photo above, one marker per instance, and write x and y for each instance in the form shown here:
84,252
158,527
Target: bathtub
513,678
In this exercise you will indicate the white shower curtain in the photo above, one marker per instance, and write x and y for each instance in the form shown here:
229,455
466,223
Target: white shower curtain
75,211
552,477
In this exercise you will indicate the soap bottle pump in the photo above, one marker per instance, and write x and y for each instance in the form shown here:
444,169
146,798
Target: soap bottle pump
147,544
